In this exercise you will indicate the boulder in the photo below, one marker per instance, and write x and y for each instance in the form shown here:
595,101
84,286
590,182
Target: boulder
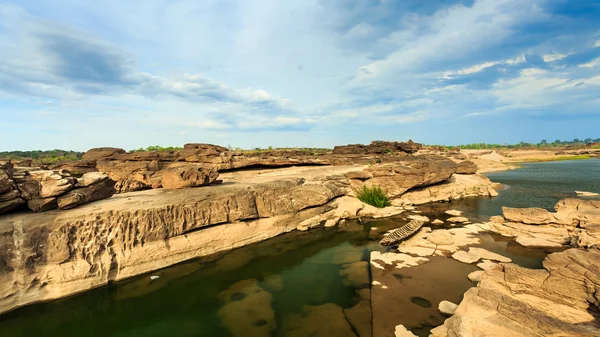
466,167
91,178
190,175
401,331
42,205
75,167
437,222
45,184
204,153
101,152
453,212
102,190
475,276
12,194
447,308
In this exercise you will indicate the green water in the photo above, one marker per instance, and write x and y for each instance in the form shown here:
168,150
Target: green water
293,270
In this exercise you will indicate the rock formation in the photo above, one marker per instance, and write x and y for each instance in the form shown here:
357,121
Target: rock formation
44,190
378,147
560,300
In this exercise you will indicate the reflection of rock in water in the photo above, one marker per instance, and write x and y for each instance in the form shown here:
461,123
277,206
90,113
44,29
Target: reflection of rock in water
325,320
355,274
359,317
247,310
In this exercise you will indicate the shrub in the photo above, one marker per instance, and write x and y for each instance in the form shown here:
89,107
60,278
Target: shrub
374,196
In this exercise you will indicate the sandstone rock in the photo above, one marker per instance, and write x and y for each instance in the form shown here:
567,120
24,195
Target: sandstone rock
204,153
51,183
420,244
441,237
453,212
104,189
537,242
398,260
447,308
466,167
475,276
75,167
355,274
360,175
130,185
6,184
578,212
497,219
586,194
12,194
325,320
530,216
559,300
188,176
9,205
397,178
459,186
350,149
487,255
91,179
457,219
42,205
247,310
486,264
437,222
401,331
359,317
465,257
418,218
101,152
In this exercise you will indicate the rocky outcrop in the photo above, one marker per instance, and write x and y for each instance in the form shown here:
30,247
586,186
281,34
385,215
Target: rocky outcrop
10,196
575,222
44,190
378,147
397,178
188,175
560,300
459,186
101,152
59,253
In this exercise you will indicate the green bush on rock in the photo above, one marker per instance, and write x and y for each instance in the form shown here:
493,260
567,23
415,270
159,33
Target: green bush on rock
374,196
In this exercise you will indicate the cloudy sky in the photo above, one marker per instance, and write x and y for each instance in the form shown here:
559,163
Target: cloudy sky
76,74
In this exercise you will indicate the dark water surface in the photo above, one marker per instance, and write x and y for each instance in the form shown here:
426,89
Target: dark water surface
204,296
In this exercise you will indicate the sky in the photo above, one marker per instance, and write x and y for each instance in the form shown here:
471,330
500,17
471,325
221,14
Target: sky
77,74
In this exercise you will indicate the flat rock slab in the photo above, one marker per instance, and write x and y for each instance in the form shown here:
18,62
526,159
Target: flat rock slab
453,212
465,257
441,237
475,276
537,242
457,219
486,254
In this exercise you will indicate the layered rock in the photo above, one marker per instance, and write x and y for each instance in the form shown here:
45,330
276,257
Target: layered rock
58,253
560,300
378,147
466,167
459,186
44,190
575,222
397,178
10,196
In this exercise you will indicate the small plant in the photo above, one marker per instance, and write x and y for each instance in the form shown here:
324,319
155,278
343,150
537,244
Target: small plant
374,196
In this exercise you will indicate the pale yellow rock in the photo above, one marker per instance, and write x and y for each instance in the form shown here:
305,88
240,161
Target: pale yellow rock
465,257
486,254
475,276
453,212
458,219
398,260
418,218
437,222
401,331
447,308
441,237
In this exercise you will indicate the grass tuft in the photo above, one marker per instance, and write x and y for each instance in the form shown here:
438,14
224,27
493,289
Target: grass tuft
374,196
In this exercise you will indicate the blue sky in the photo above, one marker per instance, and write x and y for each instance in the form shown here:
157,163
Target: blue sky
77,74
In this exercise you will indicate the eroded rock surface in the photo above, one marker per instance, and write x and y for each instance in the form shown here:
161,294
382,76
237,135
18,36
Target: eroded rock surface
560,300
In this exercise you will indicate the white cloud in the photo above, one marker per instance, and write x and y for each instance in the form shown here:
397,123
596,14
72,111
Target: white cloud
554,57
592,64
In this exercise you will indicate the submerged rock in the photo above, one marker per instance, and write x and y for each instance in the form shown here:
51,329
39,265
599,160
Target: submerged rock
326,320
247,310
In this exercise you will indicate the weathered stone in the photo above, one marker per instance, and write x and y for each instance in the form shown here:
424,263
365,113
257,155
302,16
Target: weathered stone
102,190
465,257
459,186
42,205
359,317
437,222
466,167
453,212
12,194
9,205
475,276
75,167
350,149
401,331
91,179
457,219
447,308
441,237
101,152
355,274
559,300
486,264
247,310
530,216
51,183
360,175
6,184
487,255
326,320
418,218
190,175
